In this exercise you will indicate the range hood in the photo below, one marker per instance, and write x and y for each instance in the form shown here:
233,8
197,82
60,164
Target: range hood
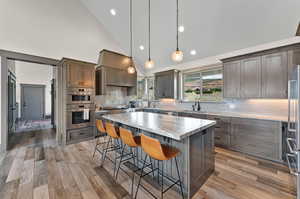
112,71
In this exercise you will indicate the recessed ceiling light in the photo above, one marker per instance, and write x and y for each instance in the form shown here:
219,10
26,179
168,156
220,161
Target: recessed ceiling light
142,47
181,28
193,52
113,12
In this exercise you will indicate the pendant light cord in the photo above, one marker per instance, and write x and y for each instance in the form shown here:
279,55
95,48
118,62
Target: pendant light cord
149,31
130,29
177,11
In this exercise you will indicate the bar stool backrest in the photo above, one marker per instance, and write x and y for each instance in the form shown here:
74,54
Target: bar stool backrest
111,130
152,147
127,137
100,126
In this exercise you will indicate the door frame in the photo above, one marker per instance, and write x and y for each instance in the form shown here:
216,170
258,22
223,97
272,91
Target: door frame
10,55
22,97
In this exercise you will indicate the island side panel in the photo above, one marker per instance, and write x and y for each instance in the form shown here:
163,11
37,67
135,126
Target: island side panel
201,159
169,165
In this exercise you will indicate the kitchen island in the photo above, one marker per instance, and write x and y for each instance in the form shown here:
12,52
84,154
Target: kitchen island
193,137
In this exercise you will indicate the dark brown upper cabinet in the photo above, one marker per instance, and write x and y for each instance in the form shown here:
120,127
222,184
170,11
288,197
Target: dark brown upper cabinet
79,74
260,75
112,71
166,84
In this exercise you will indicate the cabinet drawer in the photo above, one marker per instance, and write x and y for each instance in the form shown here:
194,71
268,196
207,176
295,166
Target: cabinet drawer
80,134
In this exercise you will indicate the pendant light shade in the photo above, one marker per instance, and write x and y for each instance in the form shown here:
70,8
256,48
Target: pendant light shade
149,63
177,55
131,68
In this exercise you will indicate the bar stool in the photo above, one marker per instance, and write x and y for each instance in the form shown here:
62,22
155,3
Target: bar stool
160,152
102,134
131,142
112,144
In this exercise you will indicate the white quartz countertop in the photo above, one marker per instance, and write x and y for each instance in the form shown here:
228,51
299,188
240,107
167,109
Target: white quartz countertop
166,125
282,118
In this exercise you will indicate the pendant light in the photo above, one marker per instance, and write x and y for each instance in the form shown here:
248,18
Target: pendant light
131,68
149,63
177,55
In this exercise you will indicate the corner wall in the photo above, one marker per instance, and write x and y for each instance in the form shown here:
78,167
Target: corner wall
53,29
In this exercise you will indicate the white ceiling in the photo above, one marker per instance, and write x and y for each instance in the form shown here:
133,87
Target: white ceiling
211,26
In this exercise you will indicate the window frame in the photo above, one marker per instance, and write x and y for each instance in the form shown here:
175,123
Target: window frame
184,73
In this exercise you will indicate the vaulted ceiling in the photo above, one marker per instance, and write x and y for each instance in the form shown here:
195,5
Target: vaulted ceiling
211,26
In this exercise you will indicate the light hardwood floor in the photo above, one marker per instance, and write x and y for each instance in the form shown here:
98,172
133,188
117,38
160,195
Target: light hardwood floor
35,167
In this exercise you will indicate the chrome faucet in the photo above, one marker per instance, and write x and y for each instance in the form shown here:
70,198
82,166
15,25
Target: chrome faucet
196,106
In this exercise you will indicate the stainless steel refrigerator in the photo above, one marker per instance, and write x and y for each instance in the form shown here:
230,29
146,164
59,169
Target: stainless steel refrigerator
293,129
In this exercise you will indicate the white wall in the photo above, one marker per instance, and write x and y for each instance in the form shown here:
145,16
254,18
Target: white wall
52,28
0,103
29,73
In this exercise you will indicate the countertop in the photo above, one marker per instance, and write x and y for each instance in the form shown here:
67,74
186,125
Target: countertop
174,127
228,114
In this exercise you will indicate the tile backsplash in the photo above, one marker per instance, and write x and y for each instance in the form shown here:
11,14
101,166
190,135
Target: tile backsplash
115,96
275,107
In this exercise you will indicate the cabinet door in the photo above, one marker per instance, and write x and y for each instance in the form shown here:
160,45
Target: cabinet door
274,75
232,72
73,75
251,78
260,138
222,131
293,61
87,76
164,86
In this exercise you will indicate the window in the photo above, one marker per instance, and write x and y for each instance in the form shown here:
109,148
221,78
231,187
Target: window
145,88
141,87
203,85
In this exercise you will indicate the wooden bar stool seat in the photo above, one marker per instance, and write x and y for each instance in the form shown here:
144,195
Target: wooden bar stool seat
160,152
101,134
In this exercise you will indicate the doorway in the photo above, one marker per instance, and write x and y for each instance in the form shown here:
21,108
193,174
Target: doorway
32,102
10,106
33,96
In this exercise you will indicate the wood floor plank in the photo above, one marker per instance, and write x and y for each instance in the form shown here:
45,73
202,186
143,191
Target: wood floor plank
39,153
117,189
40,176
35,167
25,191
69,183
10,190
27,174
41,192
17,166
30,153
6,166
55,186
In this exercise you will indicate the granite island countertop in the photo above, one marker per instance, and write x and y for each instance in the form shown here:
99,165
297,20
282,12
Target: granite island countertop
170,126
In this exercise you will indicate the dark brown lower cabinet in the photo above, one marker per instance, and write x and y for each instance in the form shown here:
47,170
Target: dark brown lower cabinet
260,138
222,131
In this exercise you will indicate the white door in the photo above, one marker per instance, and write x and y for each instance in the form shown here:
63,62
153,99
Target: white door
32,102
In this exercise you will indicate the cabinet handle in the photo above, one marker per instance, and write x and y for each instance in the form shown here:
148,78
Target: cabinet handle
217,137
